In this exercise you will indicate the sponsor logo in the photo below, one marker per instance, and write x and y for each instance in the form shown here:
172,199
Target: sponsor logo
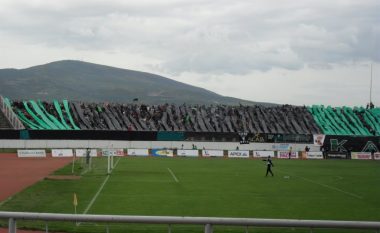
319,139
31,153
263,154
168,153
212,153
243,138
314,155
338,146
138,152
238,154
337,156
114,152
361,155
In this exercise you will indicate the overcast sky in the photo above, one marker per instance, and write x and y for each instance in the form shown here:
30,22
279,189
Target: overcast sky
290,52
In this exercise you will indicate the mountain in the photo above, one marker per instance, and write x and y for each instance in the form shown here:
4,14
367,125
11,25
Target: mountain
88,82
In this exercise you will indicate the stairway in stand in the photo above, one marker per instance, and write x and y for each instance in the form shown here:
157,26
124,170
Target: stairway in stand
4,123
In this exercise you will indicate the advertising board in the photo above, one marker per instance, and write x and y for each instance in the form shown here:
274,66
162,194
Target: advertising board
187,153
336,155
112,152
212,153
138,152
31,153
162,153
285,155
314,155
361,155
263,154
83,152
62,153
238,154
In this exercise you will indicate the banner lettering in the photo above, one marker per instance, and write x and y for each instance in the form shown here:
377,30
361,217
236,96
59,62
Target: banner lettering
187,153
238,154
263,154
62,153
138,152
31,153
285,154
112,152
361,155
314,155
212,153
83,152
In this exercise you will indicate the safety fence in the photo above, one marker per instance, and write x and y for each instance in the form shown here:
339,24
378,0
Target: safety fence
207,222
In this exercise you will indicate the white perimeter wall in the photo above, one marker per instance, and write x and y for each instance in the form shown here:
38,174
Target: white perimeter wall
40,144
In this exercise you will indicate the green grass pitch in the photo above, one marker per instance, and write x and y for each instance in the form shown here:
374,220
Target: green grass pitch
300,189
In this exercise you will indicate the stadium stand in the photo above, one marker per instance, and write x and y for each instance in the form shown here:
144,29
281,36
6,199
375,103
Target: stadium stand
356,121
4,123
284,119
280,119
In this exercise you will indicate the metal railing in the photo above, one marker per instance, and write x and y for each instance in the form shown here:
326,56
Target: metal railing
10,115
207,222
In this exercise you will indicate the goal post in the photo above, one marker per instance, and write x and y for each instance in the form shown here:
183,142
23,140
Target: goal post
110,163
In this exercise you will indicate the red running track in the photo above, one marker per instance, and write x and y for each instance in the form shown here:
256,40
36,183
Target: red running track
16,174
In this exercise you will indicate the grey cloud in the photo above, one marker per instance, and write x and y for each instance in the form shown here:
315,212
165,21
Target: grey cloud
231,37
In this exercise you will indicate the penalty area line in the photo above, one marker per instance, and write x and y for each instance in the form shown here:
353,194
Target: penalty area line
174,177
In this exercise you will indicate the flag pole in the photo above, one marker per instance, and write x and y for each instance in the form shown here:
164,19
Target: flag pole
75,203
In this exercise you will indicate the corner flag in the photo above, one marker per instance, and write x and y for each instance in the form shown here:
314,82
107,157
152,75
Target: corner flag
75,200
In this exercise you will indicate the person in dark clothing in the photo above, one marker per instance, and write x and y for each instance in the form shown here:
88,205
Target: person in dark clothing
290,153
373,151
88,153
269,166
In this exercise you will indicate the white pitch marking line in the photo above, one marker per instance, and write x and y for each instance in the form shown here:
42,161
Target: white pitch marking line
326,186
96,195
99,190
84,172
116,163
332,187
174,177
